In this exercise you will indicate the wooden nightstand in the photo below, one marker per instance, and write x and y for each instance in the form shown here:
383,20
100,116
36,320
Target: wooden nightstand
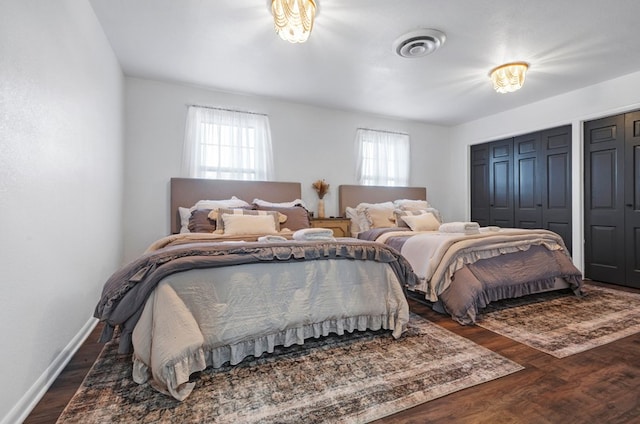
341,226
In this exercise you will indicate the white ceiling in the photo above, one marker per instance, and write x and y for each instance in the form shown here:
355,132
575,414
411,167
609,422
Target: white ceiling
349,63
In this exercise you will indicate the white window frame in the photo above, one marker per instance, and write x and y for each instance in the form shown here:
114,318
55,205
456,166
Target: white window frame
227,144
383,158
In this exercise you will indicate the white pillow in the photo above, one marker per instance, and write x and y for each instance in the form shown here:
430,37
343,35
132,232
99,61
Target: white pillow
352,214
234,202
411,205
185,214
290,204
424,222
235,224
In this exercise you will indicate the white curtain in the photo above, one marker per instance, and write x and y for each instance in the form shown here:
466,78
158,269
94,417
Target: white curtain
226,144
382,158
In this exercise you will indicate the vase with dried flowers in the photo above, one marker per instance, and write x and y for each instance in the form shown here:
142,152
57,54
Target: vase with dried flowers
321,187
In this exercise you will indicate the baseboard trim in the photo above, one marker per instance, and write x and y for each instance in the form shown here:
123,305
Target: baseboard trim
31,398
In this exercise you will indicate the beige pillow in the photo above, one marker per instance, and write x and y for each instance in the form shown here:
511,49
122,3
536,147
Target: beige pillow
217,215
424,222
239,224
399,214
379,216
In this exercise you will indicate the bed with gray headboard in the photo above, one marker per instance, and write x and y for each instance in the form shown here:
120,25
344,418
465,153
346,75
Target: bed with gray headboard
461,267
194,301
352,195
185,192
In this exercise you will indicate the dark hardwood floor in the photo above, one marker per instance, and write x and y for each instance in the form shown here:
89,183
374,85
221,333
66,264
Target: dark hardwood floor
601,385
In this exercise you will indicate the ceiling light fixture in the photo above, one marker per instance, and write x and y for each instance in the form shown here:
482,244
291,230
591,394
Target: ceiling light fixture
419,43
509,77
293,19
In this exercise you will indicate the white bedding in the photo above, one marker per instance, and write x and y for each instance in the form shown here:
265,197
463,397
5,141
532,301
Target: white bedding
204,317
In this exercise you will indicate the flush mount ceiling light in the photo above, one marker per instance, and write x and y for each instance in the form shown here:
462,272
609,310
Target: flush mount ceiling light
509,77
293,19
419,43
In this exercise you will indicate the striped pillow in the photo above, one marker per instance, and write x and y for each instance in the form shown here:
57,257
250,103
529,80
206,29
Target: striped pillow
217,215
398,214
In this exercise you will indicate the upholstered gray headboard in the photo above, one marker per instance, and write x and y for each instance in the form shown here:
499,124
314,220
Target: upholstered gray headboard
186,192
352,195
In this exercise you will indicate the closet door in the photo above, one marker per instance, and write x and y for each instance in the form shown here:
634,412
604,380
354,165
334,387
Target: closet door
527,195
555,181
501,182
480,210
604,209
632,198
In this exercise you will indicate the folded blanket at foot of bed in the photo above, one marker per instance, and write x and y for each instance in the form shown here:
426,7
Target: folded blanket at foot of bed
460,227
313,234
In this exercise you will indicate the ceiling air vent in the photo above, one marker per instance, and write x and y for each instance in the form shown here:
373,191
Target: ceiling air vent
419,43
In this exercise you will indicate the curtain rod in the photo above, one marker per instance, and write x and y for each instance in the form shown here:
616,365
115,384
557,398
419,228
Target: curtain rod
384,131
228,110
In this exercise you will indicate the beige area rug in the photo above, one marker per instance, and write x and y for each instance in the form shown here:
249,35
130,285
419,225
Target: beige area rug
562,324
354,378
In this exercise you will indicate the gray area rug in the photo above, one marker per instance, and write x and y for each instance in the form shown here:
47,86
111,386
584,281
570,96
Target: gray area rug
562,324
355,378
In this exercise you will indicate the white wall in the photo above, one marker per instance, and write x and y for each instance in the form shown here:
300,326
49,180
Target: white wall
600,100
309,143
61,134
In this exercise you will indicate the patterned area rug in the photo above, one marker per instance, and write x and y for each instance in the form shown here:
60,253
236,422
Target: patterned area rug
355,378
562,324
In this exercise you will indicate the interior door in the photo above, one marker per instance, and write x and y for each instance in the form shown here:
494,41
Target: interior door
555,158
527,178
604,210
632,198
480,211
501,180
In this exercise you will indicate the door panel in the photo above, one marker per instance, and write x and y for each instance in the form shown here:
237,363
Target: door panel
527,182
632,198
604,199
501,180
555,159
480,210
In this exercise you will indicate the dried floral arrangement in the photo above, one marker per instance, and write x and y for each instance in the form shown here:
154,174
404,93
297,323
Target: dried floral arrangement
321,187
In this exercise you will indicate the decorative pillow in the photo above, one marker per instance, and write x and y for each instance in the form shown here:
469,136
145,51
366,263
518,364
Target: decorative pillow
185,213
199,222
435,213
297,216
353,215
297,202
398,214
378,215
423,222
411,205
239,224
217,215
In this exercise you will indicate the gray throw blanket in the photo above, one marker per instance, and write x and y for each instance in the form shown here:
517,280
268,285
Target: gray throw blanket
126,291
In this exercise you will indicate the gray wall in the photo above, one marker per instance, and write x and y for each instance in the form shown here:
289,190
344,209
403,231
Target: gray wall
61,167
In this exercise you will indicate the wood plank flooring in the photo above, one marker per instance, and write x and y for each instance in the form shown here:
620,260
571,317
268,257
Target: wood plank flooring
601,385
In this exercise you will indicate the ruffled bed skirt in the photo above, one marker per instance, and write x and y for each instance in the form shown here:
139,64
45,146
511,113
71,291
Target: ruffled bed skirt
174,380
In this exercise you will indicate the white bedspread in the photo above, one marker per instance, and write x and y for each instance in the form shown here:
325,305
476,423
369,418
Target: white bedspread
200,318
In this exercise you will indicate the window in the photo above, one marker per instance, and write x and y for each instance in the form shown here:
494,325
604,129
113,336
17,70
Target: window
227,144
383,158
